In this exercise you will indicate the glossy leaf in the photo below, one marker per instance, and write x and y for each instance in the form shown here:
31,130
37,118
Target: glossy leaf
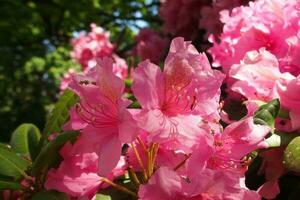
25,140
12,165
60,113
267,113
9,185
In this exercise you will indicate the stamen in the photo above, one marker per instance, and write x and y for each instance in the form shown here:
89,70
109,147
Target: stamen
139,160
118,187
134,177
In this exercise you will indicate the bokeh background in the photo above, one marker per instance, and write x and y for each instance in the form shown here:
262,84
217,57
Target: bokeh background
35,48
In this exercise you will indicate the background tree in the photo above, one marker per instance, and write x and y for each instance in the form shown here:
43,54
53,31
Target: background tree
35,43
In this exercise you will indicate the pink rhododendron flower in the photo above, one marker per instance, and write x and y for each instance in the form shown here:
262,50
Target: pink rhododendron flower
181,17
210,17
264,23
89,48
164,156
77,173
207,184
102,114
256,76
164,184
173,100
186,17
289,92
93,45
150,45
238,139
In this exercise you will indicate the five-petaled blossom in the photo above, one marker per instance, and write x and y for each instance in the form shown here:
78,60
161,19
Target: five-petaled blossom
174,100
102,114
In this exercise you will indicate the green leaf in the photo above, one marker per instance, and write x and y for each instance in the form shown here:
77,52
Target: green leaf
50,195
102,197
60,113
279,139
134,104
291,157
5,146
267,113
9,185
25,140
49,155
11,165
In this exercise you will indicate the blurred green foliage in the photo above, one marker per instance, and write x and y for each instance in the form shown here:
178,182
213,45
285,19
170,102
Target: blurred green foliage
35,43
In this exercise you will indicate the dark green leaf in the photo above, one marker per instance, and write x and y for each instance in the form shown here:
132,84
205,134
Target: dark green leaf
60,113
25,140
9,185
49,155
267,113
11,165
50,195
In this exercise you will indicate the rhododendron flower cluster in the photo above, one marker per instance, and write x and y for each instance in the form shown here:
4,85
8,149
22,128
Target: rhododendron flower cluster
150,45
258,51
186,17
210,15
178,127
175,139
272,25
89,48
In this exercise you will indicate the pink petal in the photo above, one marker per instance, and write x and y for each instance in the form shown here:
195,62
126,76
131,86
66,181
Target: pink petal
269,190
148,85
109,155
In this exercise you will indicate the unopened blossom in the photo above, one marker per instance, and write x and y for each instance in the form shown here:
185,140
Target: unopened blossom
150,45
173,100
101,113
264,23
77,175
